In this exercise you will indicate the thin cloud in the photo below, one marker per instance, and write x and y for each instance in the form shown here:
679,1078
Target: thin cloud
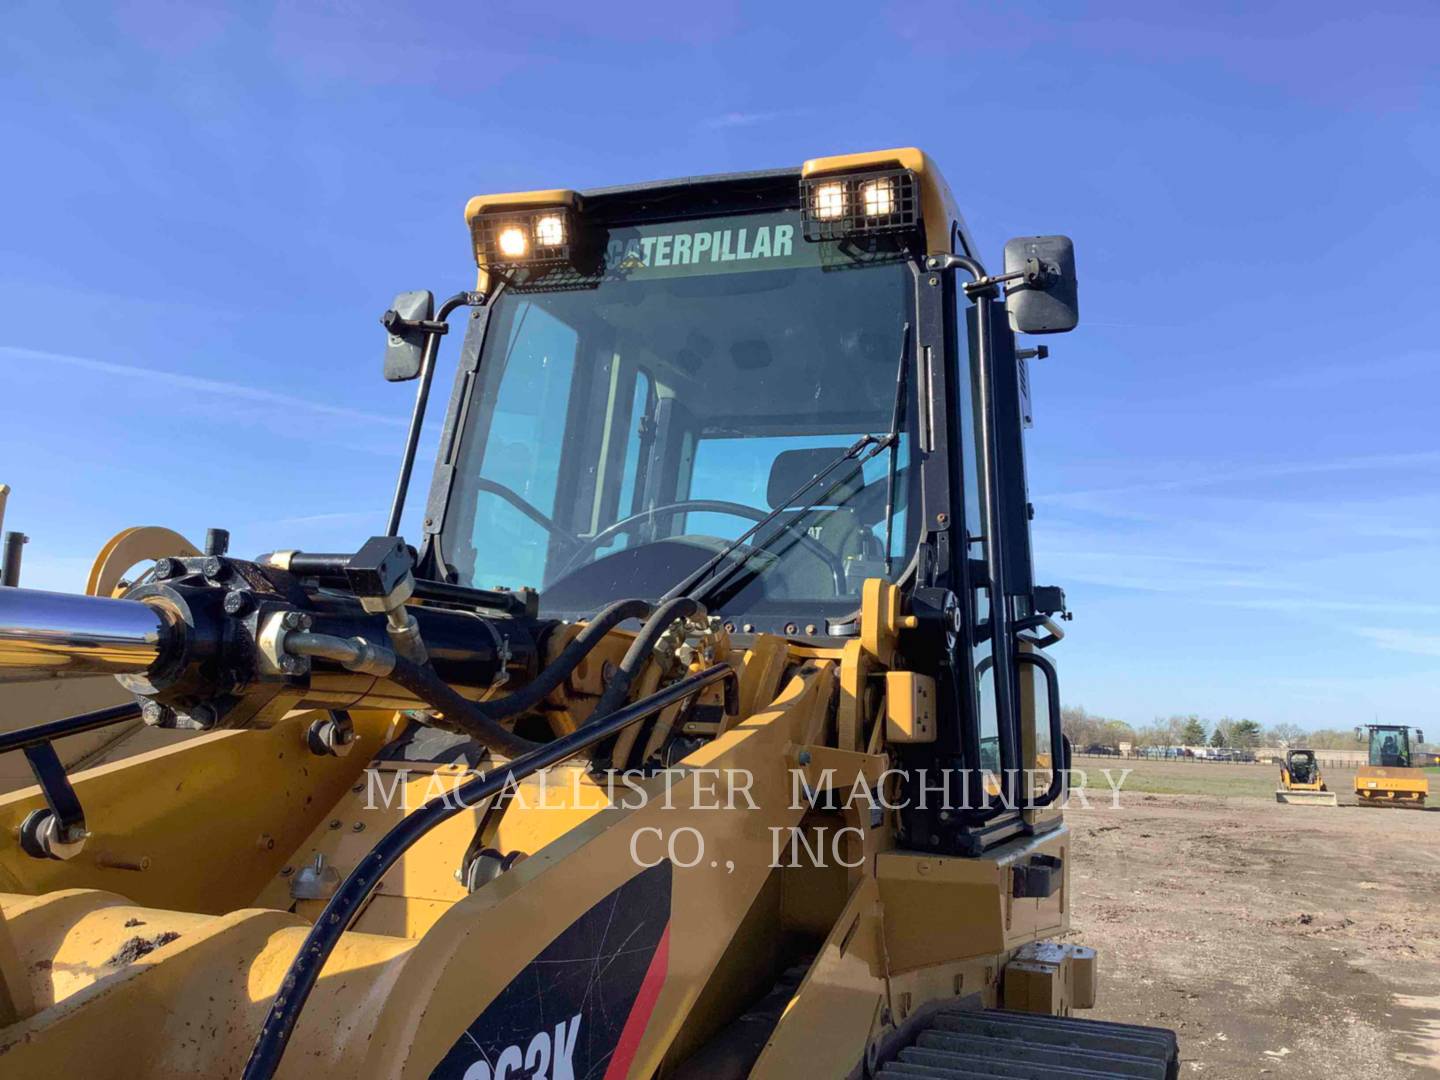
1406,641
176,381
1386,369
748,119
1259,472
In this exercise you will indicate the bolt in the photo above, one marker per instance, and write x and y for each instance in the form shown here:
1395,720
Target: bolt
934,281
804,757
286,871
791,628
168,568
730,626
293,620
749,628
942,518
213,567
266,842
153,713
237,602
335,824
292,665
810,628
359,826
358,788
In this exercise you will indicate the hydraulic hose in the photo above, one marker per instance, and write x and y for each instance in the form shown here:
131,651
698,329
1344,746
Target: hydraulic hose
618,689
560,668
458,714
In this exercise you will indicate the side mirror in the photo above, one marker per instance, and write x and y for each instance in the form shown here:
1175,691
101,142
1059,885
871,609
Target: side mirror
406,344
1042,298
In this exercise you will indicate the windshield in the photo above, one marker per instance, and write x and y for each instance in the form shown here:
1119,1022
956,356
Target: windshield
624,428
1390,746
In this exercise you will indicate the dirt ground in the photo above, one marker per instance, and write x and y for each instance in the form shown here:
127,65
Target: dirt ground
1276,940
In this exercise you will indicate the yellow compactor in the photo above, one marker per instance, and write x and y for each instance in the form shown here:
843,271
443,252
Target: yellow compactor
1391,778
1301,782
709,728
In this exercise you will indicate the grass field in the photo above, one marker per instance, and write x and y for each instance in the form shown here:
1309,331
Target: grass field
1221,778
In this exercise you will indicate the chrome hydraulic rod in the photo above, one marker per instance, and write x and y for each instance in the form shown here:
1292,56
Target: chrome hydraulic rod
50,633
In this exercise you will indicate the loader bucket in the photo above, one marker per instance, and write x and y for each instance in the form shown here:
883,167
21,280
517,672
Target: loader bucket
1307,798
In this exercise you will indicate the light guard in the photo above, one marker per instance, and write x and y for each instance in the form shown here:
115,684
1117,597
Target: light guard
548,234
882,201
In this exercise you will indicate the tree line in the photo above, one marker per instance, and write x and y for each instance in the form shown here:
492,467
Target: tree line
1085,728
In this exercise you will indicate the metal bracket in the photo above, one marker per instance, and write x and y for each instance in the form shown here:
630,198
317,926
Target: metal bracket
1038,877
57,832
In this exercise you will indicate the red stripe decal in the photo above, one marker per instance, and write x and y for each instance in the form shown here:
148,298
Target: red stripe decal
629,1044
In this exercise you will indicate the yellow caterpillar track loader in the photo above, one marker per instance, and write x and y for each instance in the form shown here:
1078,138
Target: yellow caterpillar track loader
1391,778
708,730
1301,782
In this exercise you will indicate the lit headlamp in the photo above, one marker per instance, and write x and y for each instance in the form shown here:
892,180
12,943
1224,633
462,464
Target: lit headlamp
515,238
882,201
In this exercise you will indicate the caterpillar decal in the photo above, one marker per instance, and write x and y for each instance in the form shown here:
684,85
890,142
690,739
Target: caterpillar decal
579,1009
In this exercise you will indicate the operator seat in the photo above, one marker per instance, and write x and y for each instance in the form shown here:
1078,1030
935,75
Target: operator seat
834,522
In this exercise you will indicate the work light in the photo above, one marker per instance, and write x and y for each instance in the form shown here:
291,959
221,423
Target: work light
877,201
829,201
878,197
550,230
515,238
513,243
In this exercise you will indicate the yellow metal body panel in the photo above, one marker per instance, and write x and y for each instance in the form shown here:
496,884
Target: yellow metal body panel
843,995
124,550
519,200
212,977
1388,784
982,917
909,707
482,943
253,795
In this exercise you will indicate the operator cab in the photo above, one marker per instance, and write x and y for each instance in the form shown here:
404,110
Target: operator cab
1390,747
768,393
637,411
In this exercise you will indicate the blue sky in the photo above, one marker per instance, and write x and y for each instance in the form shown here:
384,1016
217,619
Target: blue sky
1235,463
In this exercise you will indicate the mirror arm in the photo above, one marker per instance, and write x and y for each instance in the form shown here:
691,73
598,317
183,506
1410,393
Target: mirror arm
434,329
394,322
984,284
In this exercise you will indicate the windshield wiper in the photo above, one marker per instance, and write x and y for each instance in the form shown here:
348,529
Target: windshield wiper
691,585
